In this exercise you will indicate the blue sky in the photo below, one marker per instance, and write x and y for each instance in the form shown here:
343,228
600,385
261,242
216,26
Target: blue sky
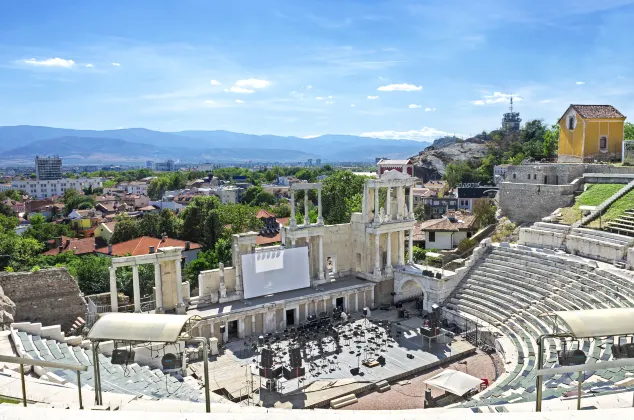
392,69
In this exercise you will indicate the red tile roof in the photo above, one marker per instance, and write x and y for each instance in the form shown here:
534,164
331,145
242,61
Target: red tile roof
266,240
597,111
283,220
464,222
141,246
264,214
78,246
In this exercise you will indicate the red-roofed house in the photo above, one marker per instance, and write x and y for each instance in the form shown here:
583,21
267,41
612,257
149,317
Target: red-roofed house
81,246
404,166
147,245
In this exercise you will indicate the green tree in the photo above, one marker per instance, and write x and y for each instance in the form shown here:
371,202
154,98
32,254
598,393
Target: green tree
336,188
75,201
282,209
126,229
629,131
263,198
484,213
251,193
6,210
15,195
422,212
42,231
201,222
157,188
240,216
551,141
92,273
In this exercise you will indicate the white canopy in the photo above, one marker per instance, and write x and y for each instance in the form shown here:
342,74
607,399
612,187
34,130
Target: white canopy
598,322
456,382
139,327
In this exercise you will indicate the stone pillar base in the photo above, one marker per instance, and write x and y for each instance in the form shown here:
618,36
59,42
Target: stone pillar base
389,270
159,310
180,309
377,272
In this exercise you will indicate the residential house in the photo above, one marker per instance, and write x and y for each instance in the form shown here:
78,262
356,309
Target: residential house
145,245
134,187
107,208
54,187
499,173
16,206
84,222
135,201
448,231
270,231
229,194
287,180
439,206
591,132
439,187
104,231
78,246
420,194
404,166
467,196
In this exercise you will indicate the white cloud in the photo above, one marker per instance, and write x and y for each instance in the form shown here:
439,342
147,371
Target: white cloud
215,83
373,97
430,109
209,101
236,89
496,98
239,101
330,97
253,83
424,134
352,105
312,136
51,62
400,86
545,101
319,98
309,87
89,65
329,102
580,83
116,64
413,106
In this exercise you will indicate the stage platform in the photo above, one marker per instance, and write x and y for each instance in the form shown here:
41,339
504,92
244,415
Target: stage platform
343,284
234,373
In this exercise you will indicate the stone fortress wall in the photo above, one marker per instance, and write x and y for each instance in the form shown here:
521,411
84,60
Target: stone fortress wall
48,296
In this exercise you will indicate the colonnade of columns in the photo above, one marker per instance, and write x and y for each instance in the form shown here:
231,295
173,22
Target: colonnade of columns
389,264
306,188
354,301
401,214
136,288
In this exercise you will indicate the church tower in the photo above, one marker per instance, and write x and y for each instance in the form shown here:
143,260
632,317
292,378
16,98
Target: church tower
511,120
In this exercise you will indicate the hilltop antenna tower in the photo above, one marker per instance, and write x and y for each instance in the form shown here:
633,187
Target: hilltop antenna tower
511,120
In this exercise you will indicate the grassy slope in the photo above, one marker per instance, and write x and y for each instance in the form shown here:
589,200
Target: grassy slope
594,195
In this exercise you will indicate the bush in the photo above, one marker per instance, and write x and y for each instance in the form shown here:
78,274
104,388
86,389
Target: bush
466,244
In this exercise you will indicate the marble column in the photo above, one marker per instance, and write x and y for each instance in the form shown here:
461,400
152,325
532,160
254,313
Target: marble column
376,205
377,255
356,302
293,220
292,241
388,265
306,311
253,324
225,336
158,288
388,203
306,216
400,200
221,275
114,301
136,289
372,298
411,202
321,257
237,263
401,247
364,204
241,327
410,254
320,219
180,305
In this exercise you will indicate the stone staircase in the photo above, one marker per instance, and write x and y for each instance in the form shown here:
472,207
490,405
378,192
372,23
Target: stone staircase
42,343
383,386
601,208
343,401
623,225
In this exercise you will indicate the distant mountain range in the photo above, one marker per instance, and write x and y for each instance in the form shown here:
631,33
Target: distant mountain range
135,145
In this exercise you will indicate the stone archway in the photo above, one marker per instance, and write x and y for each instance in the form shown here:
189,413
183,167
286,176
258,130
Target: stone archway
409,289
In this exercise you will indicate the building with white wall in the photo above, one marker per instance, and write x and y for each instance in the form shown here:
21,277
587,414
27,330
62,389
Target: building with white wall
56,187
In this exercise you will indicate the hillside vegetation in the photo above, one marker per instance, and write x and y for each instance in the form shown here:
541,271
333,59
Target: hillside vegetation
594,195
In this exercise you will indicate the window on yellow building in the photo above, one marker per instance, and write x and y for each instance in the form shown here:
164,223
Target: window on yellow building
603,142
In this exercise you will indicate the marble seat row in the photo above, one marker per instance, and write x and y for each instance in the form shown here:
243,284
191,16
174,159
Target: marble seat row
512,288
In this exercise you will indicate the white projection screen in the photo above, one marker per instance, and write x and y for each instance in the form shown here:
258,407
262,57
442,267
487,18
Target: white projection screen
268,272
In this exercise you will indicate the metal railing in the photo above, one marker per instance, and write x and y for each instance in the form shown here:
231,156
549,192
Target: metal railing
43,363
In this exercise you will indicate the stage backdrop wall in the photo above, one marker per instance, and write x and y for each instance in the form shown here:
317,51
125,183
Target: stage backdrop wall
268,272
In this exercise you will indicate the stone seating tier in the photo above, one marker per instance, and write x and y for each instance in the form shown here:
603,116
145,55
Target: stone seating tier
511,287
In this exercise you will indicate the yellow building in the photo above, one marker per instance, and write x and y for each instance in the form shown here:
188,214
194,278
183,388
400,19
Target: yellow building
591,132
